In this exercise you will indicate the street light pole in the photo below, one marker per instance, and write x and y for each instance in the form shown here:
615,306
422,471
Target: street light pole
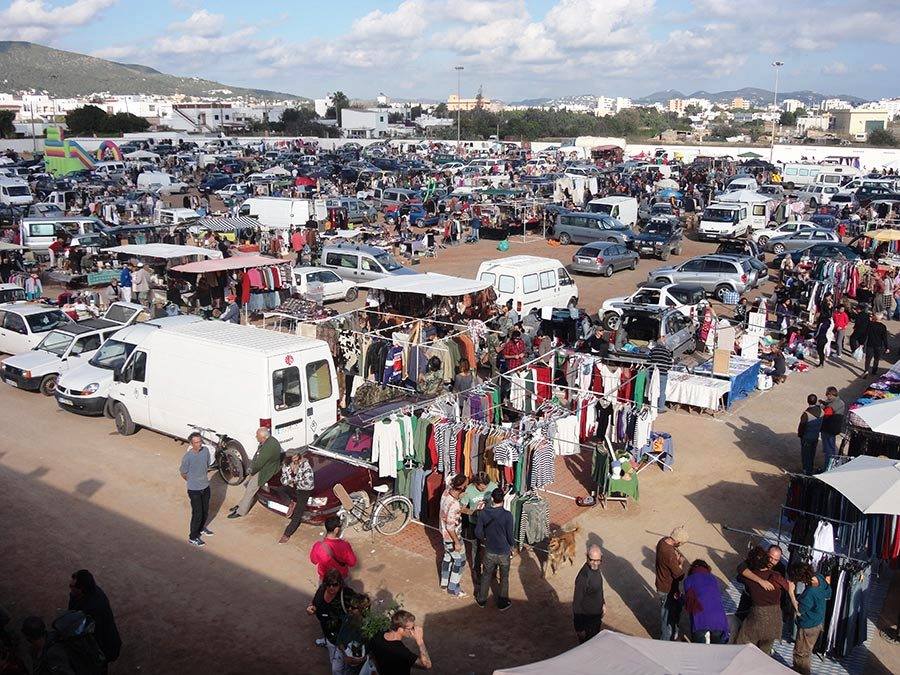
777,66
458,70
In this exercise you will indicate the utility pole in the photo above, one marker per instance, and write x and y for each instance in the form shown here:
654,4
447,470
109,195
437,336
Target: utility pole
777,66
33,137
458,70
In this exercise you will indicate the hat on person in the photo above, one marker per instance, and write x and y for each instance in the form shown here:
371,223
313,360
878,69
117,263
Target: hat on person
680,534
140,264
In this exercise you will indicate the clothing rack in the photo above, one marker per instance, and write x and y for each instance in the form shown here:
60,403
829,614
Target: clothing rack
814,515
780,542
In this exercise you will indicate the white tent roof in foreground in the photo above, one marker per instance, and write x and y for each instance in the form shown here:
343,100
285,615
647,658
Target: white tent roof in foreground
429,283
872,484
164,251
615,654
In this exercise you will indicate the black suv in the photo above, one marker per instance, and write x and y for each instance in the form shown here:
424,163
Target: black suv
660,237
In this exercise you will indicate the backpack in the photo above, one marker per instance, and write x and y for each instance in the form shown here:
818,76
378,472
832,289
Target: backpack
74,632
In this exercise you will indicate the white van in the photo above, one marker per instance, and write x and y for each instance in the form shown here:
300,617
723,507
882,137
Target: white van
160,180
761,207
110,169
230,378
742,183
624,209
529,281
283,212
800,174
178,216
836,175
15,192
84,389
39,233
724,220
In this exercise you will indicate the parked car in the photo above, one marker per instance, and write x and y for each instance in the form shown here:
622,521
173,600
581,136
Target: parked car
581,228
603,257
23,325
742,247
825,250
756,268
686,298
661,237
647,213
333,287
11,293
360,262
214,182
818,195
717,275
800,239
823,221
844,198
641,325
761,237
233,190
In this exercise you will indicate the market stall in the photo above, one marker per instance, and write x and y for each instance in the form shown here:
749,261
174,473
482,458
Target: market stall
874,419
742,376
431,294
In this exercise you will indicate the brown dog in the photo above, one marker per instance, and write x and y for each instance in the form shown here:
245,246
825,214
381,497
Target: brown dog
561,547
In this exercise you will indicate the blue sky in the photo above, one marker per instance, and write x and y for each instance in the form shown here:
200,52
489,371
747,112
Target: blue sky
515,49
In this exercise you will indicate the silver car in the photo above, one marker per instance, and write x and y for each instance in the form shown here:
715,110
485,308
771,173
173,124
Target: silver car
603,257
717,275
801,239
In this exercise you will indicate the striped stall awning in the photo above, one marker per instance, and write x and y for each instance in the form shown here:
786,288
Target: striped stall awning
214,224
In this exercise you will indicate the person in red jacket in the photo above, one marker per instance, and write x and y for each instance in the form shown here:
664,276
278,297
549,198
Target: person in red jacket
514,350
841,321
332,552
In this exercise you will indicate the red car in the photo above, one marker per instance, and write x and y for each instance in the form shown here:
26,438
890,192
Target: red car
341,454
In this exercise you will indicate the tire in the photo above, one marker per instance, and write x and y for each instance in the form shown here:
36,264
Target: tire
608,272
352,294
361,503
392,515
762,241
721,290
565,239
611,321
48,384
233,463
108,409
124,424
778,249
573,300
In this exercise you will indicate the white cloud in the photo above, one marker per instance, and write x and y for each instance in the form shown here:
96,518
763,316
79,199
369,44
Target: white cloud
200,22
35,20
409,20
836,68
201,44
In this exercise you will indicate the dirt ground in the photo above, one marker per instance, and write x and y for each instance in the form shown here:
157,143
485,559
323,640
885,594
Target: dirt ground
75,494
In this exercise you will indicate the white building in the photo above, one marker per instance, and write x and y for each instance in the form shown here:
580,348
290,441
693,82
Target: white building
383,99
834,104
430,121
791,105
607,105
818,122
890,105
364,123
323,104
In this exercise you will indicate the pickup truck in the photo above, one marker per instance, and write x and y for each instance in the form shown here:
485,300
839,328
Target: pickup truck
661,237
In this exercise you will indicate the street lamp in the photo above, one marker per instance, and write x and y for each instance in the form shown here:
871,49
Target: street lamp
458,70
777,66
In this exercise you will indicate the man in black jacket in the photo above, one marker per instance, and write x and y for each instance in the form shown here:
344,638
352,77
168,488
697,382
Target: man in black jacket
494,527
86,596
588,604
876,344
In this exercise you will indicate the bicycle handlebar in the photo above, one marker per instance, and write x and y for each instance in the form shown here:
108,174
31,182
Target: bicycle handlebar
198,428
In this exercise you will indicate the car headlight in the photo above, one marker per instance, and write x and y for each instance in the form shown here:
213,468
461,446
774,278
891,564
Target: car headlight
317,501
90,389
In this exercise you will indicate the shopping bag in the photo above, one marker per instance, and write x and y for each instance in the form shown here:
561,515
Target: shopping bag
503,245
858,354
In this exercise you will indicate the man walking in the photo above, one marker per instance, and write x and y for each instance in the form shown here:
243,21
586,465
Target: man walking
808,433
588,604
494,528
266,463
833,413
669,573
195,472
689,206
451,531
876,344
125,282
86,596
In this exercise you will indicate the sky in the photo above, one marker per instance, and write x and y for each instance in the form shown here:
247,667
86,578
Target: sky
514,49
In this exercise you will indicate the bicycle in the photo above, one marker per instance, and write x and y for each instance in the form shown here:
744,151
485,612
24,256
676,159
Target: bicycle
228,458
388,515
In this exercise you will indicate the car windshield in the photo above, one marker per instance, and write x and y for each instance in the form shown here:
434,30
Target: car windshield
348,440
55,342
41,323
388,262
119,313
112,354
661,208
718,215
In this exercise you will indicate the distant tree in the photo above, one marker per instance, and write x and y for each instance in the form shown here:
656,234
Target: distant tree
7,130
415,111
340,101
440,110
692,109
883,137
788,119
300,122
395,118
86,120
126,123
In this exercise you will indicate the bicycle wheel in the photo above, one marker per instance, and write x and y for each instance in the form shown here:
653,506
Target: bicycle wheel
392,515
359,511
231,463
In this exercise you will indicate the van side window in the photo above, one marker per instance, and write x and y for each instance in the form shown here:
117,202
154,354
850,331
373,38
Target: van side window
564,278
286,388
341,260
548,279
136,370
318,380
489,277
507,284
530,283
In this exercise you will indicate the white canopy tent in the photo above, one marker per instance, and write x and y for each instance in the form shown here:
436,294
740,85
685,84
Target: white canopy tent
164,251
872,484
141,154
429,284
617,654
882,417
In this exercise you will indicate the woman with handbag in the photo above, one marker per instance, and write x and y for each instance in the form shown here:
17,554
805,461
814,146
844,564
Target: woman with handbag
330,605
298,480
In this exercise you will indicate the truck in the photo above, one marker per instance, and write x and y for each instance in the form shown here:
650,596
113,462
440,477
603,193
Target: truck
229,378
283,212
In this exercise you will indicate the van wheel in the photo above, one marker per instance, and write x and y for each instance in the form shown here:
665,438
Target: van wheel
108,409
48,385
788,186
124,424
778,249
608,272
813,203
352,295
721,291
233,463
565,239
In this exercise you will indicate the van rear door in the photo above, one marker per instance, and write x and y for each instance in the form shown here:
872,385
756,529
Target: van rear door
320,393
287,409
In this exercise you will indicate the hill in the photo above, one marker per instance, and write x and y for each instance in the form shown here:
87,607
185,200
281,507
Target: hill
62,74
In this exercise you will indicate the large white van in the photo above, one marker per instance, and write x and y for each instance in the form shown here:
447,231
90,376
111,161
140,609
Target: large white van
39,233
230,378
800,174
15,192
529,281
283,212
84,389
177,216
624,209
110,169
836,175
724,220
160,180
761,207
